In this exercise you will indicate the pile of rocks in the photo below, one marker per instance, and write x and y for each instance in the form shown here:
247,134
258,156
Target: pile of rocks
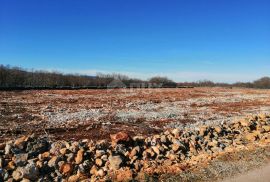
30,158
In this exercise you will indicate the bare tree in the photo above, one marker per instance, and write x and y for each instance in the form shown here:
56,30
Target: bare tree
163,81
262,83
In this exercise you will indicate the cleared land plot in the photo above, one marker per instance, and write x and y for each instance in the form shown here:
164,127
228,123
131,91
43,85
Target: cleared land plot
95,114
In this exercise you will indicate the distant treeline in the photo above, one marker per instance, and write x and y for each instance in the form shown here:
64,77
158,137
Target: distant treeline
262,83
18,78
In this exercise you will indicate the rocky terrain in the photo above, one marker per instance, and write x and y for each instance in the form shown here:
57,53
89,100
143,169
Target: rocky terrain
95,114
201,153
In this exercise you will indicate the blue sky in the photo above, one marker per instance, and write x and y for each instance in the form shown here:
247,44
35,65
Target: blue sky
187,40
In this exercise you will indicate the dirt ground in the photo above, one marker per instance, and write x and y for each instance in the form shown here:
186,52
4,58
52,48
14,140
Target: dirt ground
260,175
95,114
245,165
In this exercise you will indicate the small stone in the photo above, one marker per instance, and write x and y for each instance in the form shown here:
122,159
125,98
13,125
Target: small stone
213,143
216,149
57,146
203,131
121,149
74,178
11,165
31,172
66,169
218,129
134,151
20,159
99,162
156,150
163,139
266,128
150,152
104,157
93,170
120,137
8,148
25,180
244,122
178,145
99,153
252,136
85,141
74,147
79,157
53,161
167,162
137,165
37,146
125,175
70,157
262,116
176,132
100,173
63,151
20,142
18,174
172,157
39,164
1,163
115,162
101,144
5,175
60,163
44,156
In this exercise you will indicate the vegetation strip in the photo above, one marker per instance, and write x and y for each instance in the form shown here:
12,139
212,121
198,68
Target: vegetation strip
16,78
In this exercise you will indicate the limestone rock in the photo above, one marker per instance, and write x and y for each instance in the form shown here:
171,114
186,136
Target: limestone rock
79,157
134,151
218,129
53,161
63,151
99,153
18,174
31,172
99,162
20,142
25,180
94,170
244,122
8,148
57,146
74,178
66,169
20,159
124,175
115,162
100,173
266,128
120,137
44,156
156,150
203,131
176,132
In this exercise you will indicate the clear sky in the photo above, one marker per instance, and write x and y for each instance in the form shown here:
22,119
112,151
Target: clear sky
187,40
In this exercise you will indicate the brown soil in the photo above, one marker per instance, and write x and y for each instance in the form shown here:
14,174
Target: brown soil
24,112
